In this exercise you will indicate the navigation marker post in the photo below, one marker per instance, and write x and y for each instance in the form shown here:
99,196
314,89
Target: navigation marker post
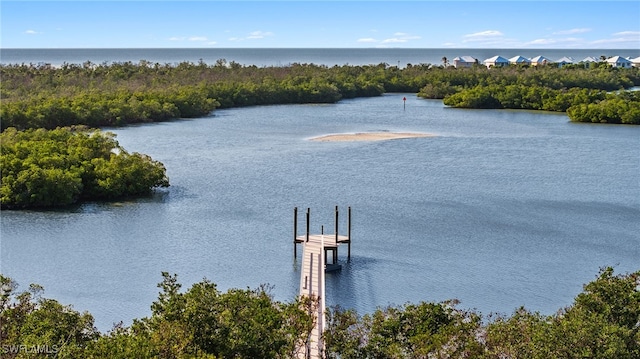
404,103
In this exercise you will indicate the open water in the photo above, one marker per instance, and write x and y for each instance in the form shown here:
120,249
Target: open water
501,209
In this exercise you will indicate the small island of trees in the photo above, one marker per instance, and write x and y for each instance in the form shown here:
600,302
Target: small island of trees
47,168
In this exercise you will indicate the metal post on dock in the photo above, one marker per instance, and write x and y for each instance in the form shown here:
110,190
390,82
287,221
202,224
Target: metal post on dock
308,213
349,236
295,232
336,224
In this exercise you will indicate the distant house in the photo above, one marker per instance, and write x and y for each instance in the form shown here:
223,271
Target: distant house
540,60
496,61
589,59
464,61
565,61
635,62
619,61
519,60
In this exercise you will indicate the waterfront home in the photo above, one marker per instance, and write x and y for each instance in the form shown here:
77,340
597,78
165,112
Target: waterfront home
635,62
589,59
566,60
519,60
618,61
464,61
540,60
496,61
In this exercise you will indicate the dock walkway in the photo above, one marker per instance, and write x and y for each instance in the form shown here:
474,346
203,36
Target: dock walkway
312,277
312,285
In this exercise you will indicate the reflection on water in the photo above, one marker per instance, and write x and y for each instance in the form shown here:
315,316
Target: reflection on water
501,209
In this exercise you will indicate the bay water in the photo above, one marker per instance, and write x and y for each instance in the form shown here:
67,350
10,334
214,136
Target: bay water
499,209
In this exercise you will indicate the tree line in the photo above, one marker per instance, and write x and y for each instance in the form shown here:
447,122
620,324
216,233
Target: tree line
586,95
47,168
121,93
203,322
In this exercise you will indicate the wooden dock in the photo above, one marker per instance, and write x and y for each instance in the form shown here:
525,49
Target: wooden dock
312,286
312,276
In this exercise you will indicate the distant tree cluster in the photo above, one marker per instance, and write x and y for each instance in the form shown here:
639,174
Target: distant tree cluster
121,93
614,108
586,94
206,323
47,168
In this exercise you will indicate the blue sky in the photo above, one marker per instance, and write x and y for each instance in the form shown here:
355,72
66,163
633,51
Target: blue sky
320,24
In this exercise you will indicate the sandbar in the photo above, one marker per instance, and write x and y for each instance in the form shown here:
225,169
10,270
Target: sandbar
369,136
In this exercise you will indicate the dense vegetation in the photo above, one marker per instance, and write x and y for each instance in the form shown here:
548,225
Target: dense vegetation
45,168
120,93
603,322
587,95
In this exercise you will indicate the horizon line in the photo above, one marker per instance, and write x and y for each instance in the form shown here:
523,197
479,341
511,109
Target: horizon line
312,48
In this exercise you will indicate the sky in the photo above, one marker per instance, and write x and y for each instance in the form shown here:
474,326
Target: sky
320,24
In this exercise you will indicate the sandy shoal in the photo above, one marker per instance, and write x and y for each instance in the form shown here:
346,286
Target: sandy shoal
370,136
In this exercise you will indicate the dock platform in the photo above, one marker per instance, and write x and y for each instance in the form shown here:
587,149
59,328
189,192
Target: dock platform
315,264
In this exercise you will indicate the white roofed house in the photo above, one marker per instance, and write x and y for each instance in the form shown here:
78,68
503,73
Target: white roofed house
619,61
496,61
519,60
590,62
635,62
464,61
589,59
540,60
566,60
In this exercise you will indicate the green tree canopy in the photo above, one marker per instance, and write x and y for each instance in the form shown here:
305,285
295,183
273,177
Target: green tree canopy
203,322
47,168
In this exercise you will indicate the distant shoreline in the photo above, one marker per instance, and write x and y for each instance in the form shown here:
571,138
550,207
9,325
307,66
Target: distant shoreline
369,136
280,57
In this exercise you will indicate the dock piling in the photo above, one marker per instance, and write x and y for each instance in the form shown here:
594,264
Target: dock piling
349,236
308,214
295,232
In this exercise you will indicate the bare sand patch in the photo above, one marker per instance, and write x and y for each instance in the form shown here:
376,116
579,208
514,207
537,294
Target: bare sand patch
370,136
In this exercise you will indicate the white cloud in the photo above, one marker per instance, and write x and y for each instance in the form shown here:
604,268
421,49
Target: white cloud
628,33
259,34
482,36
32,32
393,40
542,42
212,43
632,38
190,38
398,38
559,42
254,35
572,31
490,39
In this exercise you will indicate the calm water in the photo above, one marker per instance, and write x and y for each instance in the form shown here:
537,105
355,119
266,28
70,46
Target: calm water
284,57
501,209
